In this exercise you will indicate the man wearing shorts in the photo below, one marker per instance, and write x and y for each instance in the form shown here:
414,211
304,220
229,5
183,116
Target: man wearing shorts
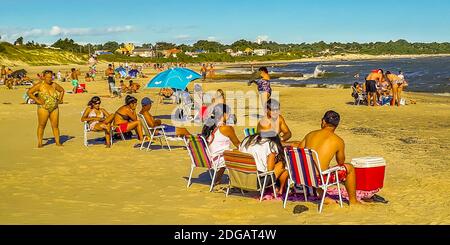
328,145
372,80
204,71
109,73
74,77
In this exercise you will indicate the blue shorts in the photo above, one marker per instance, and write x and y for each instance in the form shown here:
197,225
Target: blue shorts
168,128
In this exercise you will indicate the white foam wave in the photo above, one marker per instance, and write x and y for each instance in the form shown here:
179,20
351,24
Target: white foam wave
442,94
305,77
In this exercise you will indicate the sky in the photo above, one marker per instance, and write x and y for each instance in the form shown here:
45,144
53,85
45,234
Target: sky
225,21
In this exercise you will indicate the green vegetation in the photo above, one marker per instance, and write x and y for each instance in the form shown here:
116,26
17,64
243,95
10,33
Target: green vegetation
215,52
71,52
37,55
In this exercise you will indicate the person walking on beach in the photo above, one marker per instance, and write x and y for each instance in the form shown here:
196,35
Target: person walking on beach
204,71
58,76
374,78
264,88
329,145
74,76
109,73
211,71
49,96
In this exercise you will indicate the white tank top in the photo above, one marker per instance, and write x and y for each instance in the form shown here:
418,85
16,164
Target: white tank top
219,143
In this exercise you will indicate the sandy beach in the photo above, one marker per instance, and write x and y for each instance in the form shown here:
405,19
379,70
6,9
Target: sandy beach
75,184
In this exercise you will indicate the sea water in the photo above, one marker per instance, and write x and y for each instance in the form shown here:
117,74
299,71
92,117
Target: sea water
431,74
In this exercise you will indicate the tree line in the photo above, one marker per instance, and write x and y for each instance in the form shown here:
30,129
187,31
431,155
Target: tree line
216,50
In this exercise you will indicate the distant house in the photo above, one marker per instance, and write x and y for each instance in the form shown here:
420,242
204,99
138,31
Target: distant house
192,54
196,53
201,51
238,53
248,51
229,51
144,52
100,52
127,49
171,52
326,51
261,52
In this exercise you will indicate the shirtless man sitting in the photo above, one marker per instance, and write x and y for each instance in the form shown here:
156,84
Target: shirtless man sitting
275,121
328,144
372,80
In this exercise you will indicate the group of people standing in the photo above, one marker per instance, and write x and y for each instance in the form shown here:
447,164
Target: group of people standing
380,84
207,70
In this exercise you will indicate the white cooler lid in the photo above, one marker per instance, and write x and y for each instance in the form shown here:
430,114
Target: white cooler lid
368,162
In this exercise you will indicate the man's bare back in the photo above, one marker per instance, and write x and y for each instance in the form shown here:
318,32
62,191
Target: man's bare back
375,77
327,144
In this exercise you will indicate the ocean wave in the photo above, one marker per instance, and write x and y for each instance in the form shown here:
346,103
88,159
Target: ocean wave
234,71
305,77
442,94
338,65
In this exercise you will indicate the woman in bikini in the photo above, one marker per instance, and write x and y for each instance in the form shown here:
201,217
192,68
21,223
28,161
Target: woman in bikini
396,84
98,118
49,95
126,119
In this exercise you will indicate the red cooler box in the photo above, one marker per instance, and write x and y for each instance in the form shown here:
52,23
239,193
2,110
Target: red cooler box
81,88
369,173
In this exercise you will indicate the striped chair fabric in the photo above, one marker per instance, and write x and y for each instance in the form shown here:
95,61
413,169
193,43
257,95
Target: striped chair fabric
244,175
249,131
197,147
302,166
238,161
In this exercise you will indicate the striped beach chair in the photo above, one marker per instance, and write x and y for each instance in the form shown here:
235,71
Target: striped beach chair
153,133
200,157
249,131
305,171
243,174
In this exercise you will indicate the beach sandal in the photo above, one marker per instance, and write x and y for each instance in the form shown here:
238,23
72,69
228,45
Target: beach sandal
300,209
377,198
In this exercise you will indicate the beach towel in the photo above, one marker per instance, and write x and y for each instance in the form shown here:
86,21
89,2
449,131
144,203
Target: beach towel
332,193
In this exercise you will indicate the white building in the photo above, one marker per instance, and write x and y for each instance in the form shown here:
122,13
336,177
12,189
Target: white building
229,51
261,52
238,53
144,52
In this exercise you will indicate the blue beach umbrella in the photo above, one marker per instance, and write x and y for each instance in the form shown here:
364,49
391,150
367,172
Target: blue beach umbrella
177,78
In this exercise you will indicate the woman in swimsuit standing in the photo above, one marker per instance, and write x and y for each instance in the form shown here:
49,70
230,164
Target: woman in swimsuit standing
264,88
98,118
47,101
396,84
126,119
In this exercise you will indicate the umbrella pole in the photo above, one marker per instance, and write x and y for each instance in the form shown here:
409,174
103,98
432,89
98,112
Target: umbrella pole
158,101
